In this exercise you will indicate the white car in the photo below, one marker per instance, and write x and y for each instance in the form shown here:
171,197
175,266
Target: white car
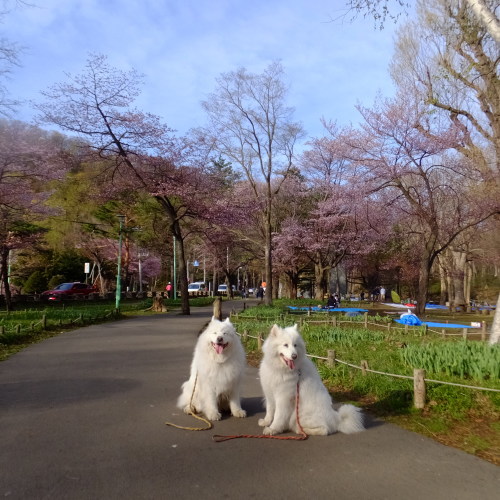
197,287
223,288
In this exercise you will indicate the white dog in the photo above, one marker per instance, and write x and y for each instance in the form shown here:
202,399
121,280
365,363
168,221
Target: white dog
283,366
216,373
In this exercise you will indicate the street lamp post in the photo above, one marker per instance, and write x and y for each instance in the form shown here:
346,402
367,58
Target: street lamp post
140,255
118,296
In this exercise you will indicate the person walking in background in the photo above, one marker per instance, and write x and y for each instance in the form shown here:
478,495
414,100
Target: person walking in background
382,293
168,289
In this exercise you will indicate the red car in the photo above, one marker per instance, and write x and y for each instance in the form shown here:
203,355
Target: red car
65,289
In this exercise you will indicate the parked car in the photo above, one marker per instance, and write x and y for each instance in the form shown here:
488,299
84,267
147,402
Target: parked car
199,286
66,289
223,288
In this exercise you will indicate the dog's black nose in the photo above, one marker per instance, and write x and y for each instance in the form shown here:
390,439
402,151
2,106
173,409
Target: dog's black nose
294,356
219,340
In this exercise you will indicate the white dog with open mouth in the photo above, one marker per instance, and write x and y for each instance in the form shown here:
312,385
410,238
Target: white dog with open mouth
285,365
216,373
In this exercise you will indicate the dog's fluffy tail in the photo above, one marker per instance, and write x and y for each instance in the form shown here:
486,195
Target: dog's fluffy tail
350,419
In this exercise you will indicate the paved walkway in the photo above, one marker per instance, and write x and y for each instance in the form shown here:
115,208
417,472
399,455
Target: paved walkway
82,417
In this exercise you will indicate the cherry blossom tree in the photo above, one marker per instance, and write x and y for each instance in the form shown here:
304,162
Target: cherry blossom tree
29,159
136,149
426,181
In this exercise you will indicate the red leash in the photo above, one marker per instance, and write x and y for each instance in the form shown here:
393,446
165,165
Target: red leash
218,438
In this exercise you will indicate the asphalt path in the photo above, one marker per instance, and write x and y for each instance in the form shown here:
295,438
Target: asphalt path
82,416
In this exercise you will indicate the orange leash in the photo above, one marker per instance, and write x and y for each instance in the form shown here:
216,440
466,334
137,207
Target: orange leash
218,438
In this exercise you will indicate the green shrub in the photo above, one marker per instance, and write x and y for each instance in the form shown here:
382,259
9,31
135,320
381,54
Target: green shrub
36,283
54,281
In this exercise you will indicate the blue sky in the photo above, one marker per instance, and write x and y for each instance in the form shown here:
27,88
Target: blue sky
182,46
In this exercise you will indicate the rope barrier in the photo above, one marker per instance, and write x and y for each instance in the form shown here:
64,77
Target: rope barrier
406,376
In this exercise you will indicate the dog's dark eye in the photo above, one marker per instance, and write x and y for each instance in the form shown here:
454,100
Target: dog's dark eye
286,345
294,345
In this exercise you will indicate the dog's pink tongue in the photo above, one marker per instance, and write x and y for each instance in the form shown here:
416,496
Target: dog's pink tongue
218,348
290,363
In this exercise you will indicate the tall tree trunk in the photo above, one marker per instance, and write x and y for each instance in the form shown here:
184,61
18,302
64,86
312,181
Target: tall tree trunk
469,272
495,327
268,297
176,230
423,282
321,278
4,271
293,285
459,260
183,280
444,284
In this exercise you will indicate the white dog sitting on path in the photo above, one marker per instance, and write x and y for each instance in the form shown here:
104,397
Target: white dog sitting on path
285,365
216,373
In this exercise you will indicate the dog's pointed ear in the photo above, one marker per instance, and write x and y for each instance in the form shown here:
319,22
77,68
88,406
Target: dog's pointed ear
296,326
227,320
274,330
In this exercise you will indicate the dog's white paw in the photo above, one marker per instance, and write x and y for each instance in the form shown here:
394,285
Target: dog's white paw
240,413
188,409
263,422
213,416
269,431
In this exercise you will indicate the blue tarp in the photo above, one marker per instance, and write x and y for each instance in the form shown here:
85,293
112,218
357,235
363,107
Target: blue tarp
409,319
326,309
438,325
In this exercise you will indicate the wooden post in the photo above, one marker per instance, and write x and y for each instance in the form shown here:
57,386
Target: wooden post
245,336
419,388
364,366
464,333
44,322
406,329
218,308
443,333
389,326
259,342
366,319
331,358
483,330
18,329
425,329
334,320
